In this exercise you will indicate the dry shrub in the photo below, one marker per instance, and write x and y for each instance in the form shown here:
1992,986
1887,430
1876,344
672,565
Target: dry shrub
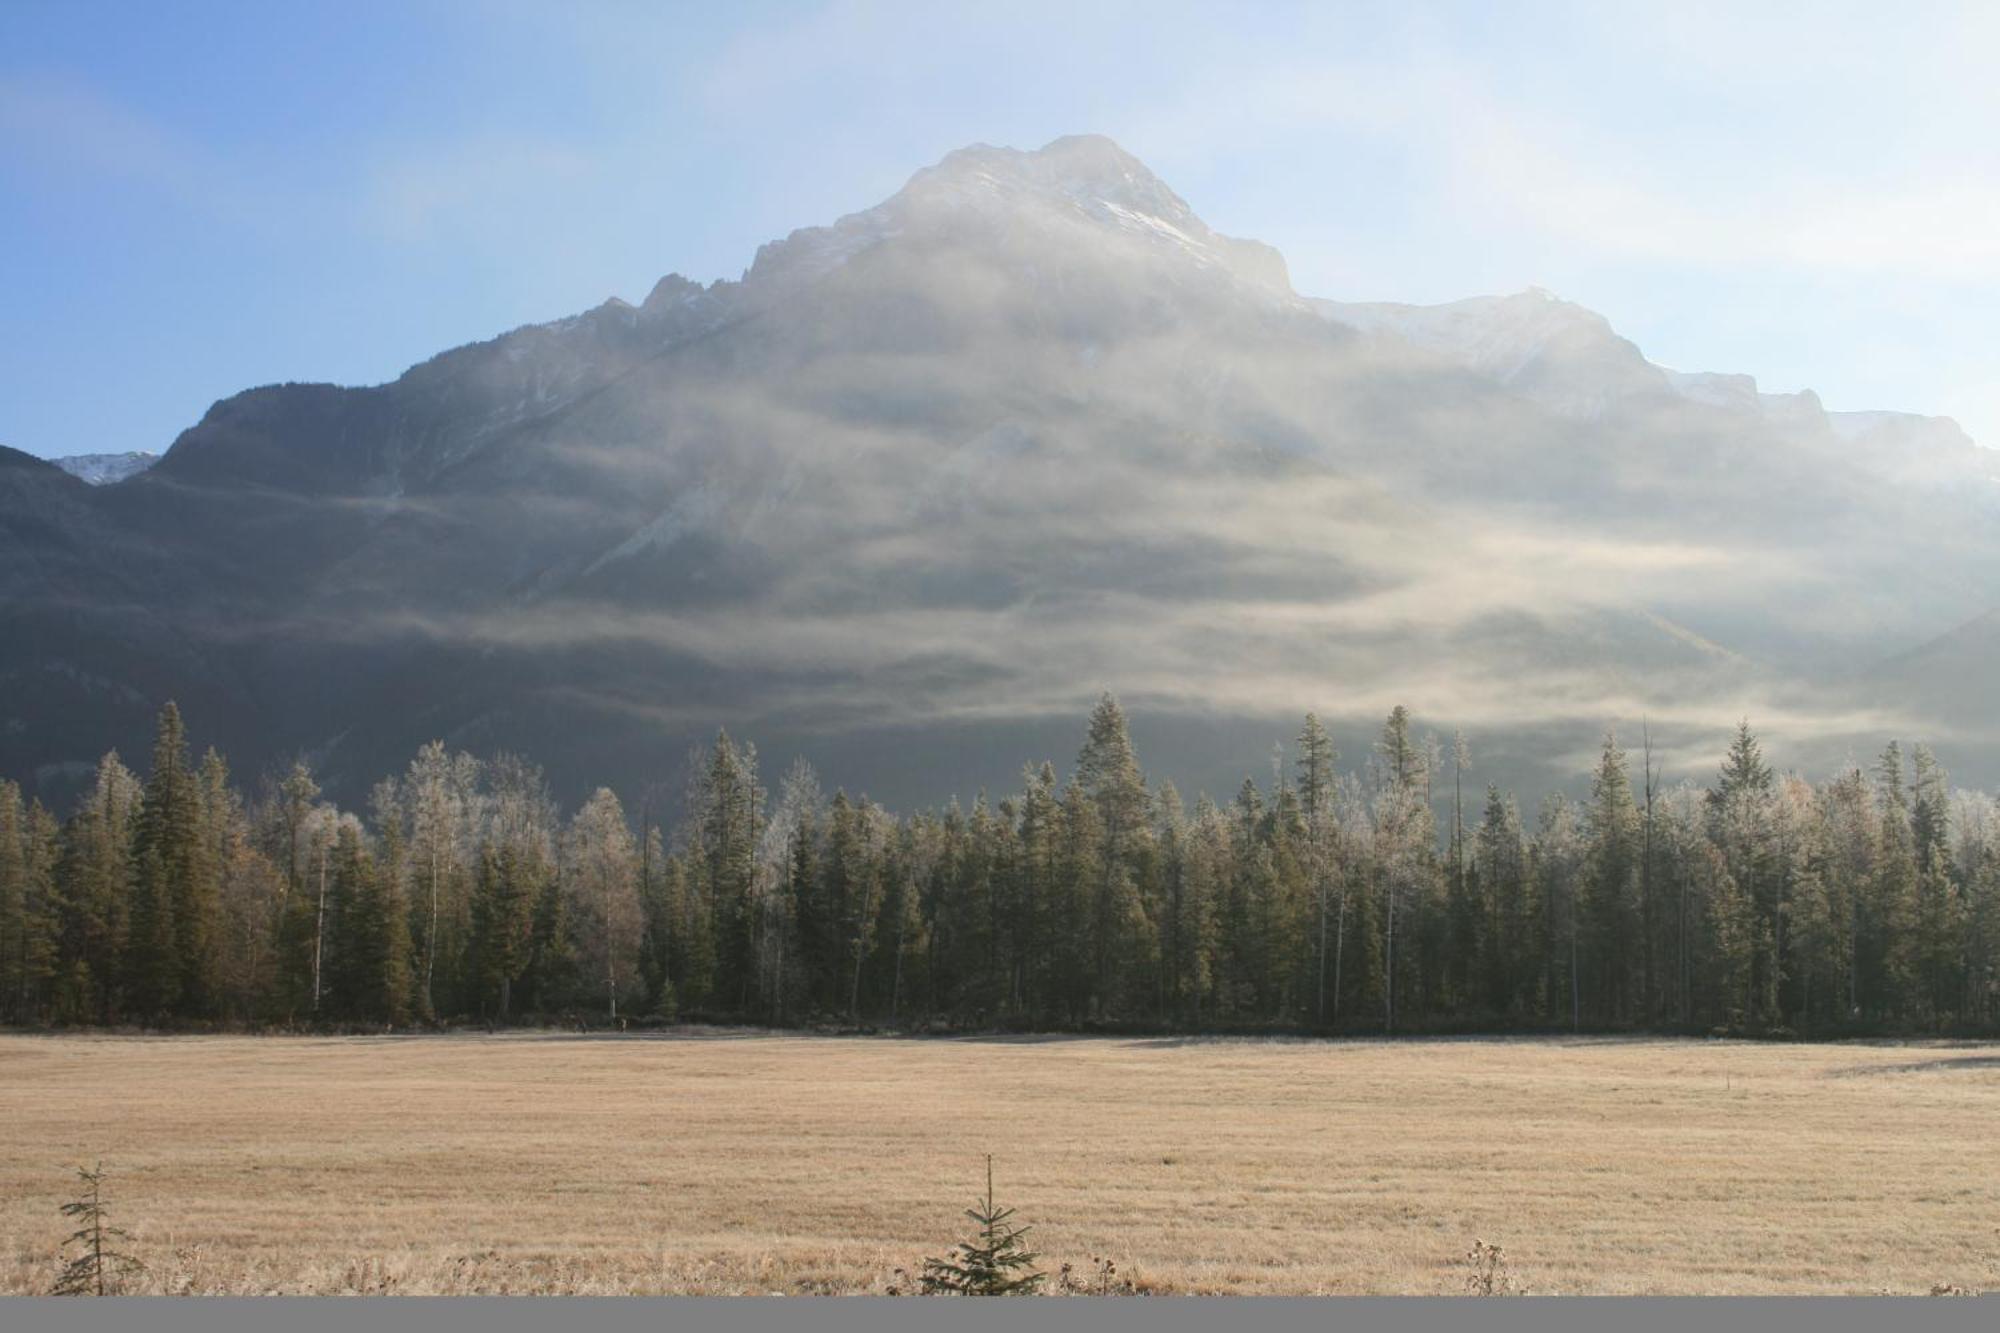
1103,1279
1487,1271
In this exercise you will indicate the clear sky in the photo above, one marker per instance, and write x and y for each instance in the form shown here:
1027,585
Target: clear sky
198,197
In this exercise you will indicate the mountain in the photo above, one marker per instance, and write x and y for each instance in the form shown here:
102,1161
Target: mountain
1953,674
915,488
104,469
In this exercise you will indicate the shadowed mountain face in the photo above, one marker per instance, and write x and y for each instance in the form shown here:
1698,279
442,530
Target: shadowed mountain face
906,497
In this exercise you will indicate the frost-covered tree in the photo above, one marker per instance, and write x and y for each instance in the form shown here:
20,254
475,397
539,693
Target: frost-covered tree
600,876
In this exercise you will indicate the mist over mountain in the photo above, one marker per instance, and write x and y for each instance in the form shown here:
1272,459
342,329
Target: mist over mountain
916,488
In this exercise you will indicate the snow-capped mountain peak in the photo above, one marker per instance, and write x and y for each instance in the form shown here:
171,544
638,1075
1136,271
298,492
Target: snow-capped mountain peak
104,469
1072,187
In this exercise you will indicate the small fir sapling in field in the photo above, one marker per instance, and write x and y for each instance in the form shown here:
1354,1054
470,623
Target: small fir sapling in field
997,1262
96,1268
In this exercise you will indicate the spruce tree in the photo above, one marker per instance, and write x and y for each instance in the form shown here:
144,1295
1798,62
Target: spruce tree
1609,906
95,1265
658,898
1107,773
198,924
97,878
554,975
370,936
41,915
13,901
995,1262
164,863
519,927
1742,822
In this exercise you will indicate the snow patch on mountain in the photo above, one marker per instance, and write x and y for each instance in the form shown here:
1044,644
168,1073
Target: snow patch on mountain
105,469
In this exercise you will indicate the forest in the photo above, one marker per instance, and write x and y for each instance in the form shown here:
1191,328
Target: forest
1391,897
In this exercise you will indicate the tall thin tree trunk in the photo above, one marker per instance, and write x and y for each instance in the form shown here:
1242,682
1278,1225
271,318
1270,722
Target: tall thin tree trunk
1321,1007
896,987
1575,996
319,930
1389,976
1681,945
1339,949
778,987
1650,997
97,1228
431,935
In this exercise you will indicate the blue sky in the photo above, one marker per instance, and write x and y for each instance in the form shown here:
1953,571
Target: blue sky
197,198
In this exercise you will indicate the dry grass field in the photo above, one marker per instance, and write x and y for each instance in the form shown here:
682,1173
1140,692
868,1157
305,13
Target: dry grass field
714,1162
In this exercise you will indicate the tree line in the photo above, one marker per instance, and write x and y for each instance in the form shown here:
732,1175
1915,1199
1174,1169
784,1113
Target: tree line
1387,898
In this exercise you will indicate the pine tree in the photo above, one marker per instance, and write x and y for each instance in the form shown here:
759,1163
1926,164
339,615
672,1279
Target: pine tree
1403,850
198,924
996,1262
1108,775
40,915
1315,766
1742,824
518,926
371,948
98,1265
1316,792
13,902
1039,840
1609,911
1556,858
97,874
1895,891
1506,948
725,828
164,859
659,901
600,875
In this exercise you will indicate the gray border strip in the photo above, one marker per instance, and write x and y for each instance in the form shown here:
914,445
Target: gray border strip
836,1314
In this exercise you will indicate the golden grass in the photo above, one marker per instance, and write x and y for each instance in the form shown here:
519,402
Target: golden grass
752,1163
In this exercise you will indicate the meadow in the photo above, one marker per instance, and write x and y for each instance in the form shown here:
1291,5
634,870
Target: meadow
725,1162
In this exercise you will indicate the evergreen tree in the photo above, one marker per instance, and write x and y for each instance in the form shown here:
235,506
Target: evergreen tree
600,877
1506,949
1107,774
166,861
1763,900
1321,851
725,829
40,916
371,949
13,902
517,924
1742,823
1610,906
555,974
996,1262
1894,892
659,910
1040,842
198,909
97,875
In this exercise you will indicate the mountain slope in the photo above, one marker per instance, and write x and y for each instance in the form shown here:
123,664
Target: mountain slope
922,482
